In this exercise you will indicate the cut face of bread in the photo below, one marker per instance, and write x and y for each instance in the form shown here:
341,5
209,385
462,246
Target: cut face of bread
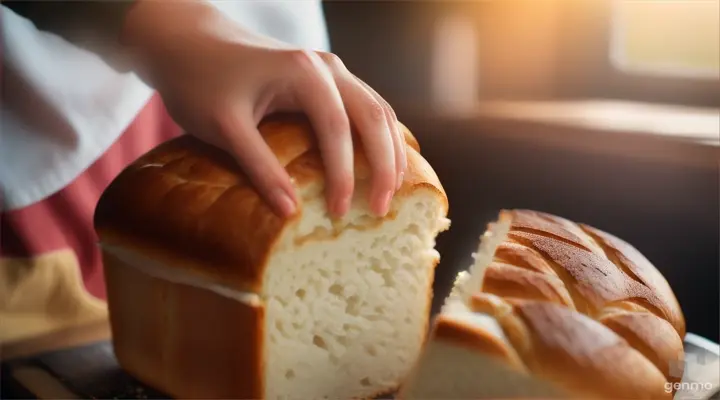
468,282
533,318
347,318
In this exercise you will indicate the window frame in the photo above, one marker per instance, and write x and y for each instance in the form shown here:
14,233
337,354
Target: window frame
586,69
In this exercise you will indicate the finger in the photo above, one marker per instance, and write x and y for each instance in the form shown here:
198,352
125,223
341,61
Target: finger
399,144
258,161
397,135
369,116
320,98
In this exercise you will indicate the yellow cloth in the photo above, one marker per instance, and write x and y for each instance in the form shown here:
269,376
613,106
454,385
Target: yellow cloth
44,294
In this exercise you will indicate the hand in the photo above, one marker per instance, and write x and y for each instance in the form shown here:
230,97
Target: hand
218,81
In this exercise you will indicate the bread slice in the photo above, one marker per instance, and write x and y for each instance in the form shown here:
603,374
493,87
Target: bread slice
553,309
213,296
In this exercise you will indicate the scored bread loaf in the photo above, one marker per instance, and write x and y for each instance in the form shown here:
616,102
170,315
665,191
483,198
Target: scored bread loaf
211,295
553,309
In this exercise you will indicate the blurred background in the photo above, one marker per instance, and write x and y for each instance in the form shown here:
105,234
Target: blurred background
602,111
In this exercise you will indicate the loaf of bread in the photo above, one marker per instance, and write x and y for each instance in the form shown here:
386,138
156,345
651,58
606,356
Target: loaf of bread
553,309
211,295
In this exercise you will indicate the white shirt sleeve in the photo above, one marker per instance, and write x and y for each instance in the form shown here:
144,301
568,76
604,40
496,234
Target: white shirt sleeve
63,107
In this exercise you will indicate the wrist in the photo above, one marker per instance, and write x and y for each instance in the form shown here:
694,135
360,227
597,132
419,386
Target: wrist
157,31
149,23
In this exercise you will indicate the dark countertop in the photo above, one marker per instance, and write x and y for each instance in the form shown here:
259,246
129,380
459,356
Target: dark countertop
90,371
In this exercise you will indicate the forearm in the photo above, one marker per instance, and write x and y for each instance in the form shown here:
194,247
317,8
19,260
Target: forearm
160,34
155,28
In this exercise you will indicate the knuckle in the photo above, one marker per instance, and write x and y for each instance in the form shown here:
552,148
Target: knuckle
389,110
376,111
305,60
332,60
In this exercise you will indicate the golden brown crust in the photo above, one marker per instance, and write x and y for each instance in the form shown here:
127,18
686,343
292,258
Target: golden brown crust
151,331
550,226
522,257
606,278
654,337
585,356
638,267
447,329
582,308
515,282
190,205
567,348
593,279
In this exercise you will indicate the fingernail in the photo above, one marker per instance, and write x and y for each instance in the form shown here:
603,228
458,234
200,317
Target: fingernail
400,181
284,203
384,205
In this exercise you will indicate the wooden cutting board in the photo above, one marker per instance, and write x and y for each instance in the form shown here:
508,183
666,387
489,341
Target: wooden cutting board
91,371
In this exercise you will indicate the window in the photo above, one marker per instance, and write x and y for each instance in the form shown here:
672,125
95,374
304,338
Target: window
667,38
662,51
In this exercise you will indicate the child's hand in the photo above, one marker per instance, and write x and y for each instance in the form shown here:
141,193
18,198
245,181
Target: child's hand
218,81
